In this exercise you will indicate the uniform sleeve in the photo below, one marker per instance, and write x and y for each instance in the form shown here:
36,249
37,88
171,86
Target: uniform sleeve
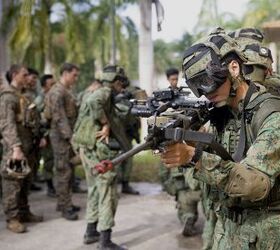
262,156
59,115
8,124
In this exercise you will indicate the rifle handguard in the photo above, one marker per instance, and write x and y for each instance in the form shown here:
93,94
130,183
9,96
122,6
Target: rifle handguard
103,167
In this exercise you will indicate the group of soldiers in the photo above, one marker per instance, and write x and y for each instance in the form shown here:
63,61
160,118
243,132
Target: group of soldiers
239,190
64,129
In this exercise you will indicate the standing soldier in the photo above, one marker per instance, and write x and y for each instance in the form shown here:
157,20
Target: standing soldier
131,125
180,183
46,153
15,120
61,112
97,120
30,92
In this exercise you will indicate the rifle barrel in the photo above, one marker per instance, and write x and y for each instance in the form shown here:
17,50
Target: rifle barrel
131,152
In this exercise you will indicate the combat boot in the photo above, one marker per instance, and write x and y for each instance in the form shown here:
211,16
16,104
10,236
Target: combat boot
91,235
105,242
32,218
127,189
16,226
189,229
69,214
51,192
59,208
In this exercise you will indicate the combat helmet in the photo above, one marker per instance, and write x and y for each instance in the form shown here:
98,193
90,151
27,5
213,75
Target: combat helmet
259,57
204,65
112,73
17,169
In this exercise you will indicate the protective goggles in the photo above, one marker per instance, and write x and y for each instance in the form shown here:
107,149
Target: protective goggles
202,84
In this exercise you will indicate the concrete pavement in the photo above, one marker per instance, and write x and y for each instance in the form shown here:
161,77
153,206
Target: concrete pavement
147,222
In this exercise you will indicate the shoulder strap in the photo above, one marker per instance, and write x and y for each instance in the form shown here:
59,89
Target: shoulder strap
267,105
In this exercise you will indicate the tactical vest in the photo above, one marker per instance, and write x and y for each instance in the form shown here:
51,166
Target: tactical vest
255,113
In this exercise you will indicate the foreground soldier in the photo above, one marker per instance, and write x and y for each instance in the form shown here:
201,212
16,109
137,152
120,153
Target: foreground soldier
248,189
95,123
61,111
17,144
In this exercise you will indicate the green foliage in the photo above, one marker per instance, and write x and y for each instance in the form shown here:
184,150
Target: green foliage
145,167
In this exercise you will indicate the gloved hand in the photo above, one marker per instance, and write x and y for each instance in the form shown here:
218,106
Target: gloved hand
178,154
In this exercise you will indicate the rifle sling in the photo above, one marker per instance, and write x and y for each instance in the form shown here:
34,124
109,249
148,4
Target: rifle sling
238,155
180,134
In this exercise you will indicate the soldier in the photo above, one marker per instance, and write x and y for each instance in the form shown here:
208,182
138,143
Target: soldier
45,152
61,112
247,188
131,125
15,124
258,65
96,122
30,92
180,183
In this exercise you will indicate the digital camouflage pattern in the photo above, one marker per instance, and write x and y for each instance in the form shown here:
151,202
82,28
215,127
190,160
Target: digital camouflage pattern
185,188
247,230
102,188
61,111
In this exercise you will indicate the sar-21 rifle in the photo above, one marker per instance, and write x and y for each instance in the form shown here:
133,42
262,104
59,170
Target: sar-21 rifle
182,123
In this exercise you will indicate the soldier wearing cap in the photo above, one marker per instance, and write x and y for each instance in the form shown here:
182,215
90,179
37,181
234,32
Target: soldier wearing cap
97,125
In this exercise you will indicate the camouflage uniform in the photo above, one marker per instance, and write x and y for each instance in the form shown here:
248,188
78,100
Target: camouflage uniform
30,95
102,188
46,153
185,188
16,130
61,111
243,221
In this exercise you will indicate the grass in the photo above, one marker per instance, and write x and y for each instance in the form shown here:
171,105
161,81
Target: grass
145,167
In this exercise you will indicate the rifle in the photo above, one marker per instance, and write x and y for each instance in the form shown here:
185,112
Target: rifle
181,124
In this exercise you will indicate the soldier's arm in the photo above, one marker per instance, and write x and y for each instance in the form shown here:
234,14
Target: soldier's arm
59,116
255,175
8,120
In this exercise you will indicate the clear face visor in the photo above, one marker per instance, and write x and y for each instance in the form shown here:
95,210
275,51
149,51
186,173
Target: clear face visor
202,84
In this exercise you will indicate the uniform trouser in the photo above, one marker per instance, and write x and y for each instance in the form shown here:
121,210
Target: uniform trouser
187,201
62,151
102,193
15,197
34,160
14,192
259,230
46,154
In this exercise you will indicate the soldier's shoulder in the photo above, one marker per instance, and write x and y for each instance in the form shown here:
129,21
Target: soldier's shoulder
8,92
57,90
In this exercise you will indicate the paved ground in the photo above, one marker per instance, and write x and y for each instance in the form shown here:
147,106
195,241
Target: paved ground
144,222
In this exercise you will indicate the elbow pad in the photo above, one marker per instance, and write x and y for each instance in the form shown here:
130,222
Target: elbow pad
248,183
